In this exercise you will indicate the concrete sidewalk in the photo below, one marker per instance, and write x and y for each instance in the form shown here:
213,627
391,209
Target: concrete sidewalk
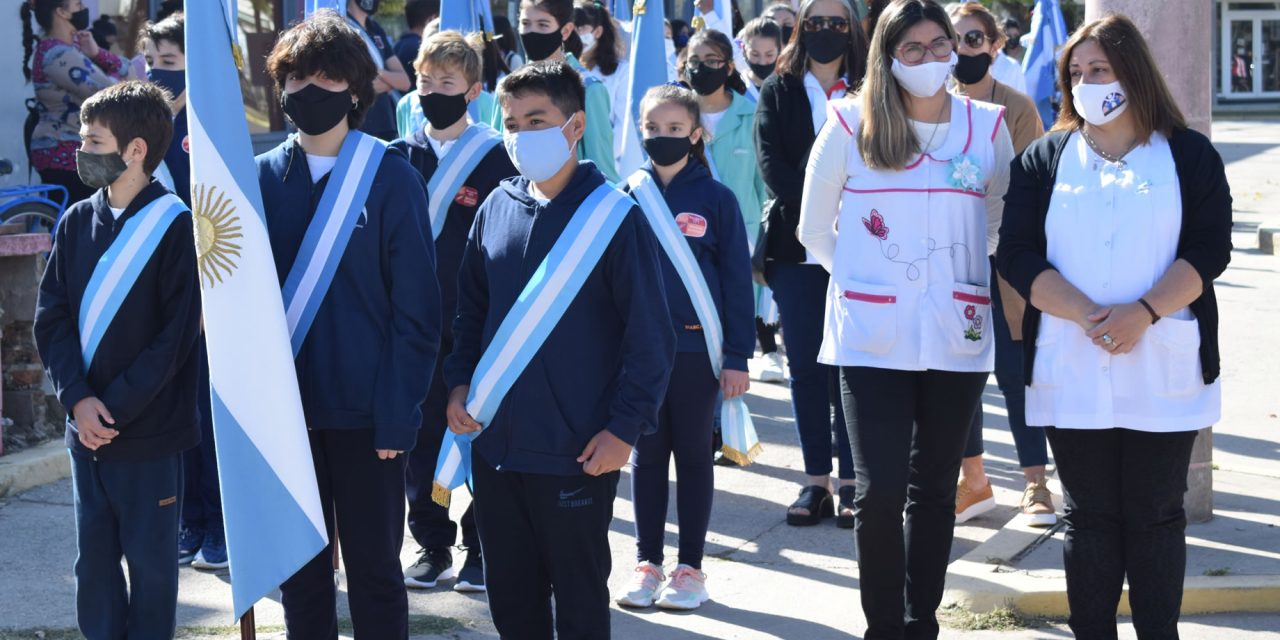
769,580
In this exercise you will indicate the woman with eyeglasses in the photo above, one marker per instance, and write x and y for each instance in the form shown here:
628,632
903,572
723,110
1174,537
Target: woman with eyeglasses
980,42
824,59
1116,225
902,198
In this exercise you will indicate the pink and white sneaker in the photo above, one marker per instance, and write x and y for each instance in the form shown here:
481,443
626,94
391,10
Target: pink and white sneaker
644,585
686,591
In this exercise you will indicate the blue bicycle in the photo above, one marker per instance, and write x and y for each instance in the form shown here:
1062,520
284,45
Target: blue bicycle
38,206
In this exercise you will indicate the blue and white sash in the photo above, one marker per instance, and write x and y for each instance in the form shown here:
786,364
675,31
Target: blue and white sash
118,269
374,51
454,168
531,319
741,444
326,239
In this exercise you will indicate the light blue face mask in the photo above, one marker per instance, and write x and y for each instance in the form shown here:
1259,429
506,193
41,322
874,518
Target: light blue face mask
539,155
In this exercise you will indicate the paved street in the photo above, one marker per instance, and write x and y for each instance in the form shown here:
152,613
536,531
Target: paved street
769,580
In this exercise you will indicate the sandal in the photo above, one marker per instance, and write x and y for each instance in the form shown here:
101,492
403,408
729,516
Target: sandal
847,493
815,499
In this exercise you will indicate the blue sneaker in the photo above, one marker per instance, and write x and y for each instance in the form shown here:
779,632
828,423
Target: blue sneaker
189,541
213,551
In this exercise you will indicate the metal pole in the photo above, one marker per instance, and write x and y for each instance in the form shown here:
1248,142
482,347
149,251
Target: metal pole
248,630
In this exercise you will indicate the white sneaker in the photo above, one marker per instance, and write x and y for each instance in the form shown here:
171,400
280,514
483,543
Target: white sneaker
687,590
772,370
644,584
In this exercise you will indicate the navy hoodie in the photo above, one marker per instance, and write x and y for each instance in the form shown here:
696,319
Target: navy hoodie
605,364
367,359
144,369
713,226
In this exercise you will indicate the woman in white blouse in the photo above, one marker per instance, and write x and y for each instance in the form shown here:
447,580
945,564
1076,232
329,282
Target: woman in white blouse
901,202
1116,225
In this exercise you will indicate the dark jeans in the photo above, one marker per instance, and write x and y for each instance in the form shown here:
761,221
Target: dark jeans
429,522
684,431
801,293
202,502
907,446
129,510
1027,441
545,535
364,497
1124,518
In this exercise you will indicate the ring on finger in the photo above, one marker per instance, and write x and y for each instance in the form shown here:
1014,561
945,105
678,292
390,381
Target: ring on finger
1107,339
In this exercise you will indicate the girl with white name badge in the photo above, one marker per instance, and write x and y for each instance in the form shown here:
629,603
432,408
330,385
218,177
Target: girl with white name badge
902,198
1116,225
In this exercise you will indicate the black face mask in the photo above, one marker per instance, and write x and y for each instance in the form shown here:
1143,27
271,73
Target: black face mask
666,151
540,46
98,170
315,110
368,6
825,45
443,111
1012,44
786,35
971,69
762,71
706,80
80,19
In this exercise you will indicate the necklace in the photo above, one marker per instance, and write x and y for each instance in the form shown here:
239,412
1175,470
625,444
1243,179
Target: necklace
937,125
1106,156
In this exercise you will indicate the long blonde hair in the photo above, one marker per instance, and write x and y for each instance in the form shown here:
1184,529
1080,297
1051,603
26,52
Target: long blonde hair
886,139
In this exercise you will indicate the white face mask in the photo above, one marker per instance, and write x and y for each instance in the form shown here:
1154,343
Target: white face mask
588,39
923,80
1099,104
539,155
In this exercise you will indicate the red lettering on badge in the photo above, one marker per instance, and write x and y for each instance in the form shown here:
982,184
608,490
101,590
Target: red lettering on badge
692,225
467,197
186,144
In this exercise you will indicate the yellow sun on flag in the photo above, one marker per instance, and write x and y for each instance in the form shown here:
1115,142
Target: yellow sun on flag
216,226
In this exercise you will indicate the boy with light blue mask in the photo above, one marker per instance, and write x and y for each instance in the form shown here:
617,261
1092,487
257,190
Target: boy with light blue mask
560,290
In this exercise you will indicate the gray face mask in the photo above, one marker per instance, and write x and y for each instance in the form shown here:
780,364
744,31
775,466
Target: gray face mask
98,170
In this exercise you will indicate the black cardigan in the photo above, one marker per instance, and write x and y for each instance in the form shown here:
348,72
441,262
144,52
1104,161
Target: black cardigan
784,135
1204,242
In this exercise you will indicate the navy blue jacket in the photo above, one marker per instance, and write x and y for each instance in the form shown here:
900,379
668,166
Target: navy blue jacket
380,119
144,370
367,359
717,235
606,363
178,158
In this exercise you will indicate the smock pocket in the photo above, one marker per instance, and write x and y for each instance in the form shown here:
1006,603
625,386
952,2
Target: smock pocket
966,318
1174,368
868,317
1046,371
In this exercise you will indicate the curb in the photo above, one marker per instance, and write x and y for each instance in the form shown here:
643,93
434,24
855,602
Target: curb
1267,240
34,467
985,579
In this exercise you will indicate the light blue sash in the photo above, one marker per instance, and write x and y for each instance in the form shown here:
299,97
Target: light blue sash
454,168
531,319
741,444
119,267
369,44
326,239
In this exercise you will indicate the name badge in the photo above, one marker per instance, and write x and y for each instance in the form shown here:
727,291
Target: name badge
692,225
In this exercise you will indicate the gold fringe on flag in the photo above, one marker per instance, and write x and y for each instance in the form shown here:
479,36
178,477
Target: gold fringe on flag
440,494
740,458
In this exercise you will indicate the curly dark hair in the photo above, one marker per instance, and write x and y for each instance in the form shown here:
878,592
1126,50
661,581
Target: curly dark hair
325,44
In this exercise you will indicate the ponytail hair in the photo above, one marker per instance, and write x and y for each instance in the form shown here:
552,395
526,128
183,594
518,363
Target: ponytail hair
723,46
42,12
605,54
678,94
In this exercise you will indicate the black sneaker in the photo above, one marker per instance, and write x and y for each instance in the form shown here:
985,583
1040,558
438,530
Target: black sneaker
471,578
433,565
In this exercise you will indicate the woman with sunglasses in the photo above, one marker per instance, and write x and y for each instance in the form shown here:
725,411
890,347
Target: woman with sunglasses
980,42
1117,224
902,197
824,59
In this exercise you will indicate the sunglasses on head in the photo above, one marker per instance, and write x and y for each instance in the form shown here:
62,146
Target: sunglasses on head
834,23
975,38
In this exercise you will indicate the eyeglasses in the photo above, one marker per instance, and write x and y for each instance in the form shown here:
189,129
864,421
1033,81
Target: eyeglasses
975,38
710,63
834,23
913,52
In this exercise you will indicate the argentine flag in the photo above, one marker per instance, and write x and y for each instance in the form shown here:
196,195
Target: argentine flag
1049,31
466,16
270,502
648,69
313,6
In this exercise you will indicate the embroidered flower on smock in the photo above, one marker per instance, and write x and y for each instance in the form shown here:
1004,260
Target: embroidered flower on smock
965,174
974,332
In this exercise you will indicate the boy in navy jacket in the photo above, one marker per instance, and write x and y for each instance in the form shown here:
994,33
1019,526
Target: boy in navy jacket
364,364
129,391
546,467
448,73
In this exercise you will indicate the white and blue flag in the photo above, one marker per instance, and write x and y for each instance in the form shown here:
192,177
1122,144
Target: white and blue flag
270,501
466,16
648,69
1049,33
313,6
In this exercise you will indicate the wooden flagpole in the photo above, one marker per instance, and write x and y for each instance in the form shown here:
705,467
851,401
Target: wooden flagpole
248,630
